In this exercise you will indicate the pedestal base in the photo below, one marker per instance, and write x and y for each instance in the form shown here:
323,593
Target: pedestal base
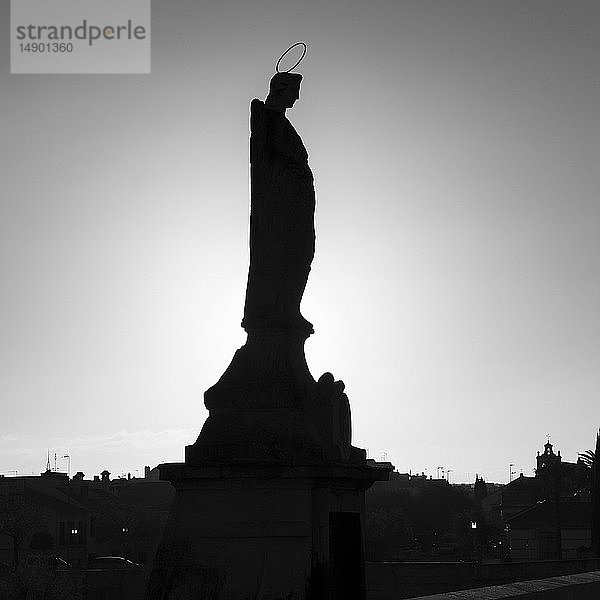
264,531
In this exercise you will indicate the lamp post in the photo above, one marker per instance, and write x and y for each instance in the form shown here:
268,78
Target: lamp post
507,557
510,472
69,464
474,539
438,471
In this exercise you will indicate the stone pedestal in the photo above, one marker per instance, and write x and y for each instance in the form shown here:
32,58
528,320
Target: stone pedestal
264,531
269,503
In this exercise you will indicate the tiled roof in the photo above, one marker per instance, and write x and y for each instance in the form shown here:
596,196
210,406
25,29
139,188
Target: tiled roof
62,507
575,515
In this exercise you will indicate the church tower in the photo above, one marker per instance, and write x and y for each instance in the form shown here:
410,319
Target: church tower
548,460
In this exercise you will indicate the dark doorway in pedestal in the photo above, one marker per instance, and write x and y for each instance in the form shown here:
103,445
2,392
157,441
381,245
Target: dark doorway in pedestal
345,556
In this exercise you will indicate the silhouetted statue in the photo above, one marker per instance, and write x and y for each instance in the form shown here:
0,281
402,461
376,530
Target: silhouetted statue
267,405
270,500
282,233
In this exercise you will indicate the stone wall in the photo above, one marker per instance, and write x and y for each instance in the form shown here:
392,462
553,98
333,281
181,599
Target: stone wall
397,580
583,586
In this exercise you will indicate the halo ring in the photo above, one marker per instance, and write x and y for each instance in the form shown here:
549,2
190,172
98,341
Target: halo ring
299,60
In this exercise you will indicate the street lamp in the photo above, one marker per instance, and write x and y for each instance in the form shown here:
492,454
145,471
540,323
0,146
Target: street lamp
438,471
510,472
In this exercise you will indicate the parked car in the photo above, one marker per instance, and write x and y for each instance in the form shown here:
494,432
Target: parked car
55,563
59,564
112,563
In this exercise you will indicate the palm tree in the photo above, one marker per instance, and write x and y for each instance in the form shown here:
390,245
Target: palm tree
587,458
596,499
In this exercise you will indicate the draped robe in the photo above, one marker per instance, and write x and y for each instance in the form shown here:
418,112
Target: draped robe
282,233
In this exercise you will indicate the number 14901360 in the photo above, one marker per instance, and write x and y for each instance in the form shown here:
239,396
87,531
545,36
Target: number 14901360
49,47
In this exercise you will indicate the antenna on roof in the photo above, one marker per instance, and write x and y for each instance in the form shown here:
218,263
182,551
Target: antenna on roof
48,461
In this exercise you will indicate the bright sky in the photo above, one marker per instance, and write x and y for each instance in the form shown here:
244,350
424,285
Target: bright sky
456,284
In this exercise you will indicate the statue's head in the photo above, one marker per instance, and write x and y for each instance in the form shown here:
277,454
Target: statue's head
284,90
